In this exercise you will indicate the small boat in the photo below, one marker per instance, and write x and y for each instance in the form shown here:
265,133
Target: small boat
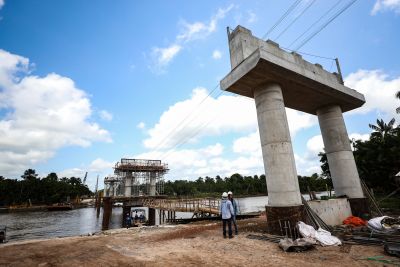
3,230
60,207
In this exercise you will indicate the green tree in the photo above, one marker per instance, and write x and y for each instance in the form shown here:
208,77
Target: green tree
382,130
29,174
377,159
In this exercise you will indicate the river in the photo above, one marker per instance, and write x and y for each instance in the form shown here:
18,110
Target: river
45,224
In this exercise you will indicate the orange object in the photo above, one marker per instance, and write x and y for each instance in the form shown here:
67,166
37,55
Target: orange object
354,221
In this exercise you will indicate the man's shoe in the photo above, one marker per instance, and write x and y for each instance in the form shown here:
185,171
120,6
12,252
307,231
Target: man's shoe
231,236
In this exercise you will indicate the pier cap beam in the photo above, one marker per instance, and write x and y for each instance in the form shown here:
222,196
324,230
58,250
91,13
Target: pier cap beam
305,86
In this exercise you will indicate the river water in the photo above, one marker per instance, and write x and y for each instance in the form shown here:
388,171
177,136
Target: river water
45,224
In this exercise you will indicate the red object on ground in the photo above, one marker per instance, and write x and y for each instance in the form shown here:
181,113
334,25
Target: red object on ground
354,221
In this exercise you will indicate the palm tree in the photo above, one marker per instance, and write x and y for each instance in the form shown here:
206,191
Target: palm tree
381,129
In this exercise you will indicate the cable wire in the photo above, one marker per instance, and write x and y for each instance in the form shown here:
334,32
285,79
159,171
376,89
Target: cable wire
184,120
326,24
195,132
290,9
312,25
295,19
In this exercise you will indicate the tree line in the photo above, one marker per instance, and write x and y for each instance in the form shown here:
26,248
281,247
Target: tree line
238,184
46,190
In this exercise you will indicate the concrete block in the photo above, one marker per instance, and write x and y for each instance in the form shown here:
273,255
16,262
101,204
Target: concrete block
332,211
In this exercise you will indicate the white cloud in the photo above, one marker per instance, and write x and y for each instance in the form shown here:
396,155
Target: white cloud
1,3
227,114
105,115
252,17
217,54
308,163
379,90
200,30
208,161
41,115
248,144
191,119
141,125
161,57
100,165
382,5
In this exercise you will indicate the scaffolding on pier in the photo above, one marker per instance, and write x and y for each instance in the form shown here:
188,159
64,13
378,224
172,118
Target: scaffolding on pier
136,177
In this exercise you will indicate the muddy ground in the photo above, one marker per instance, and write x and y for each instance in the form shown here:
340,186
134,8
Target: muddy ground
199,244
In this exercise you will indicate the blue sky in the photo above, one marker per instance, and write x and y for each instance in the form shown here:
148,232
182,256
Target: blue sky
84,83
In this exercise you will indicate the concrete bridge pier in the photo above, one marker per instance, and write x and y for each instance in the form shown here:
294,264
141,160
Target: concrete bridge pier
152,184
284,198
107,211
128,184
340,157
152,216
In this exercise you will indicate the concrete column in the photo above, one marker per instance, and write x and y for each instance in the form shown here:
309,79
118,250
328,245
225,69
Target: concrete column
338,151
152,216
107,211
114,189
279,164
126,210
128,184
152,184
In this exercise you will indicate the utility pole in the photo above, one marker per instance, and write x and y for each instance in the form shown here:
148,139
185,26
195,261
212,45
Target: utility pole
339,71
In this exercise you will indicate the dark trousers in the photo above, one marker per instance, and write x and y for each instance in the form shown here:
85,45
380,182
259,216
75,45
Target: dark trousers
234,224
224,222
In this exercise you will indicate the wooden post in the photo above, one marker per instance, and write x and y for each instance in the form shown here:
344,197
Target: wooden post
99,197
107,211
125,210
152,216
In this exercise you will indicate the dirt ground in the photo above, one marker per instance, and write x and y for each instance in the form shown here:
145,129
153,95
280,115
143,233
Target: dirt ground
184,245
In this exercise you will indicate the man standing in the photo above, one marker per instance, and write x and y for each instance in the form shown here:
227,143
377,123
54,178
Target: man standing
235,210
226,211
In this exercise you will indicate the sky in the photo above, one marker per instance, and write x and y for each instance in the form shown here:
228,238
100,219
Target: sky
85,83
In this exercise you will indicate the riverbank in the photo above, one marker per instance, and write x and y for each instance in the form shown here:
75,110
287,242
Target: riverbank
182,245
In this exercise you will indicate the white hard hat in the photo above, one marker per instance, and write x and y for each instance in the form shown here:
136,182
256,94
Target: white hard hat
224,194
230,193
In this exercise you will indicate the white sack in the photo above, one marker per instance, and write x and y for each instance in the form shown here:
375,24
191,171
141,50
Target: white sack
326,239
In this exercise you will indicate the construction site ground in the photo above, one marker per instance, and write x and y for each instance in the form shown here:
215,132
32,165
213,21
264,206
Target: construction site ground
200,244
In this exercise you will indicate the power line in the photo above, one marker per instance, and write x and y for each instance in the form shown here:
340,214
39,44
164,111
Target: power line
184,120
307,54
312,25
195,132
290,9
326,24
296,18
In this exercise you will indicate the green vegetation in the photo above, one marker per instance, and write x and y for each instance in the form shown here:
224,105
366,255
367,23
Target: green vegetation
377,159
240,185
45,190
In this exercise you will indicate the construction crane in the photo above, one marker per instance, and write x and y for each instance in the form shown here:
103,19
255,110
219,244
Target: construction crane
84,178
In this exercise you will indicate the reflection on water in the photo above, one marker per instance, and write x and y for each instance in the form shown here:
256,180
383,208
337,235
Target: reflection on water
44,224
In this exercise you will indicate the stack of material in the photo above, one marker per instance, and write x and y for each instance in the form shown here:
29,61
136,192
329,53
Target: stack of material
354,221
322,236
313,218
384,224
